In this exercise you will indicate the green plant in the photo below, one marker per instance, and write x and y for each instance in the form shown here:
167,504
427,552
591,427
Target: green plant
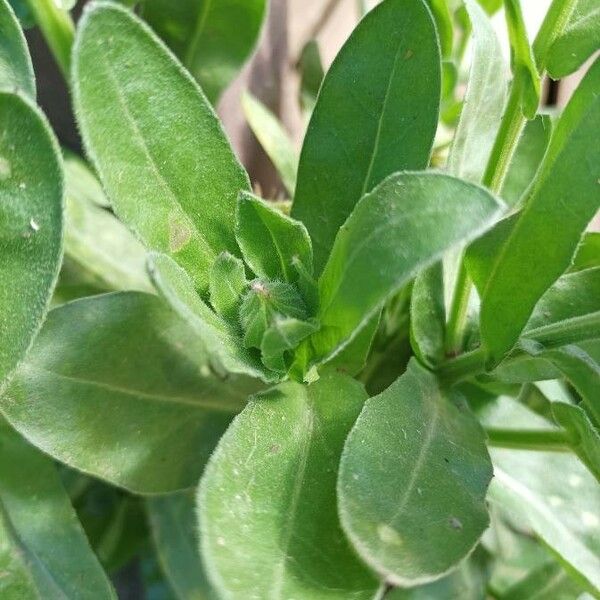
343,375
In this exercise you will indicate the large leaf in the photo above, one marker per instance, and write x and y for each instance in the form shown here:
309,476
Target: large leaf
16,70
118,387
376,113
528,252
155,141
404,225
44,553
413,479
212,39
579,40
484,100
31,223
173,524
267,501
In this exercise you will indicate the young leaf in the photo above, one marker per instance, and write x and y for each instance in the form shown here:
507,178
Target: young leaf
267,498
484,100
401,227
155,141
525,73
588,252
413,479
117,386
283,335
366,125
270,240
220,338
212,39
43,550
16,70
31,225
81,180
311,75
173,525
580,39
273,138
227,286
535,247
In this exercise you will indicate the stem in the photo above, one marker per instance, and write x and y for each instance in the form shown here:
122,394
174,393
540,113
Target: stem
58,29
457,319
530,439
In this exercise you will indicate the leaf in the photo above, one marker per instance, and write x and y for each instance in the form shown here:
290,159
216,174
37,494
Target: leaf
579,40
220,338
118,387
212,39
428,316
273,138
401,227
173,524
526,78
527,158
283,336
43,550
81,180
588,252
270,241
227,285
16,70
484,100
443,22
537,245
365,126
586,439
311,75
267,509
31,225
412,482
155,141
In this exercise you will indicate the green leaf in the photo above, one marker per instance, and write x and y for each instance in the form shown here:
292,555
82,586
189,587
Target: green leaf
267,500
311,75
212,39
526,78
443,22
401,227
43,550
366,125
428,316
227,285
173,524
527,158
16,70
283,336
413,479
81,180
155,141
588,252
525,254
270,241
31,225
273,138
580,39
117,386
220,338
586,439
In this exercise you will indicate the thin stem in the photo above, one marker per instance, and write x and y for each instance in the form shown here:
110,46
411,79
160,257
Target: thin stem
457,319
530,439
58,29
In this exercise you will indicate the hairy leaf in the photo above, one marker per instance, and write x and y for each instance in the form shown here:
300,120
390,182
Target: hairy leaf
227,286
16,70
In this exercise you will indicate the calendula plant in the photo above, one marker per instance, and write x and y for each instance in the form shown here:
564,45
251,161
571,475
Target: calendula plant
388,387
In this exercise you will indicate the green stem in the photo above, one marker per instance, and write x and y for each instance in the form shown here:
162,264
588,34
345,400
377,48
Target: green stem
58,29
457,319
530,439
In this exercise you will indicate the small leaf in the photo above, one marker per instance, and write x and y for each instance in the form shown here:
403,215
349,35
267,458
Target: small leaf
311,75
43,550
212,39
227,285
283,335
525,254
365,125
220,338
413,479
401,227
117,386
588,252
173,525
270,241
269,493
31,225
273,138
16,70
155,141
